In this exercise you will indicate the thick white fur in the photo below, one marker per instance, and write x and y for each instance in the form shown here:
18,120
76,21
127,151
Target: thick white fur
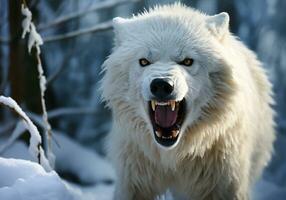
226,139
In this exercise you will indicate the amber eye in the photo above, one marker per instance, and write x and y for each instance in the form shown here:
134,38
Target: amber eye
144,62
187,62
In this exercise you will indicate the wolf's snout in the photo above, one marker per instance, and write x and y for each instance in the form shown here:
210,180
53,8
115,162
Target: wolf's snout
162,88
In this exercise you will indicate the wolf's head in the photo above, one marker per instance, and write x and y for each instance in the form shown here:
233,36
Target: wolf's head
168,70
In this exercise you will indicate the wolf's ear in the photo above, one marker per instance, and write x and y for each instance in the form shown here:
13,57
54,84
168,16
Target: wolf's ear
218,24
119,24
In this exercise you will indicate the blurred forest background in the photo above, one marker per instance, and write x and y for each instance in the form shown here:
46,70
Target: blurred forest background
77,39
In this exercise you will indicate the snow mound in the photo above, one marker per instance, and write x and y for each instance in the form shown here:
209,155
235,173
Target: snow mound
72,158
96,192
87,165
22,179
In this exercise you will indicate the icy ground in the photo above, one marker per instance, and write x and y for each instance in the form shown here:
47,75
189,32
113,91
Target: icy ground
22,179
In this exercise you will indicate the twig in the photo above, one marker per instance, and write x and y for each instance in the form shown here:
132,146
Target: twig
39,120
97,28
70,111
35,147
96,7
35,40
65,111
48,128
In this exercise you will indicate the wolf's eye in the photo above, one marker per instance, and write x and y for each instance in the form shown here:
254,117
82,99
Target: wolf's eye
144,62
187,62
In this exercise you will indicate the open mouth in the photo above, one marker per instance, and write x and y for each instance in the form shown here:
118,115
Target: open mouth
167,118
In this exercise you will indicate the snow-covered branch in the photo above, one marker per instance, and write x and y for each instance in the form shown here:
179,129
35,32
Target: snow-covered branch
96,7
35,147
35,40
96,28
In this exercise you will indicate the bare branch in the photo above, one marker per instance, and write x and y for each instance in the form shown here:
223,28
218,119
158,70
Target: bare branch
39,120
65,111
70,111
97,28
96,7
35,40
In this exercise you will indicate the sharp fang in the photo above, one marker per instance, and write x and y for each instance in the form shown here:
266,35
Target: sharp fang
153,105
173,105
158,133
175,133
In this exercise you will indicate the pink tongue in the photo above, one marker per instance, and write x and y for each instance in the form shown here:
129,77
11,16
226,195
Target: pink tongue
165,117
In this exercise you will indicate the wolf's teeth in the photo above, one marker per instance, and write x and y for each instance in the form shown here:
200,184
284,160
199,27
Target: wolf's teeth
153,105
167,137
173,105
161,103
158,133
175,133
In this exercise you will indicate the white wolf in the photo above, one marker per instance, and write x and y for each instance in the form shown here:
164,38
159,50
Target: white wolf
191,107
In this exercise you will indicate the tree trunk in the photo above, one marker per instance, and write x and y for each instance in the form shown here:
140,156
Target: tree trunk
16,53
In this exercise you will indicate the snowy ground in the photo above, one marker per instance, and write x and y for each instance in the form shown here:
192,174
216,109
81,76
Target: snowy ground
27,180
22,179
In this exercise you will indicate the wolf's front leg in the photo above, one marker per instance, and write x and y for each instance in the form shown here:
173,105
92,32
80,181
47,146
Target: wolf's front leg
126,190
136,181
237,188
228,194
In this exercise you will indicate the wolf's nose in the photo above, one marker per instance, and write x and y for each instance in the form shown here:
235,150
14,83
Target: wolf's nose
161,88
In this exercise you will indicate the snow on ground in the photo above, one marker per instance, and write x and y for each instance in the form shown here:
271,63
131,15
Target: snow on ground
96,192
26,180
87,165
71,158
31,182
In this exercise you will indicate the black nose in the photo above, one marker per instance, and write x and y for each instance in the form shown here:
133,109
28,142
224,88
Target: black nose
161,88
